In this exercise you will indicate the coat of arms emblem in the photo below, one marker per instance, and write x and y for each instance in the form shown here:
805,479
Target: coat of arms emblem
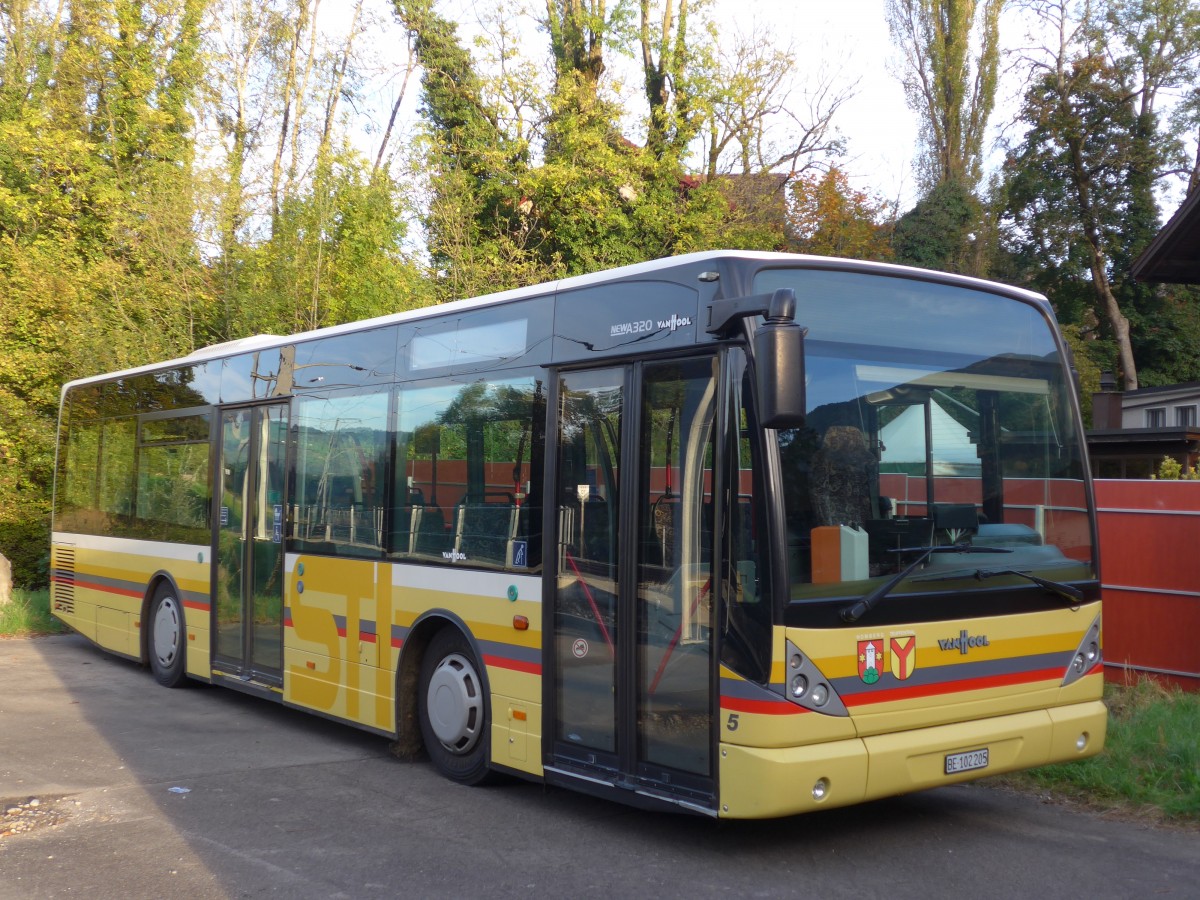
870,660
903,656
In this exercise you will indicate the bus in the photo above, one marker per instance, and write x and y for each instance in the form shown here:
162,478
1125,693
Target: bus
732,533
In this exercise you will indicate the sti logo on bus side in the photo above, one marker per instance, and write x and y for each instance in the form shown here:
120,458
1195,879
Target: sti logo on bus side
963,642
648,325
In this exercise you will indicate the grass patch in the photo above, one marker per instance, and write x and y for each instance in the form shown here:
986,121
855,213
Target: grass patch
28,613
1150,765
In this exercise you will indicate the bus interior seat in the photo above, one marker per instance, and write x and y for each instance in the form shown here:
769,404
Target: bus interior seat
431,537
484,531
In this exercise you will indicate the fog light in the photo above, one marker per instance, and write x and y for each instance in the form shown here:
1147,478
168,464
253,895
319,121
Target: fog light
799,686
820,789
1079,662
1093,650
820,695
796,660
1081,742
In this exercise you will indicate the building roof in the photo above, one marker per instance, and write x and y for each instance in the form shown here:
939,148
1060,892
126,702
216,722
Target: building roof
1186,392
1174,254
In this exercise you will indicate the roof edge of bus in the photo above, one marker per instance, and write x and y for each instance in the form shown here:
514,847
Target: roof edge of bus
261,341
237,345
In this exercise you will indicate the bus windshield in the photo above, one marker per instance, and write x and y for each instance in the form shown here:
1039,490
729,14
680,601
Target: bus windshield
937,416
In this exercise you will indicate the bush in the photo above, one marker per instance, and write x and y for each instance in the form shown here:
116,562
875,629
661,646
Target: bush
26,543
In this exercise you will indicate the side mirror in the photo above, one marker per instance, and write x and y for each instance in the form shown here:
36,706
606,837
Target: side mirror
778,352
779,373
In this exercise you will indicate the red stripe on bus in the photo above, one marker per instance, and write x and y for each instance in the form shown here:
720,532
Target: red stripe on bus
196,604
762,707
951,687
109,589
515,665
397,643
366,636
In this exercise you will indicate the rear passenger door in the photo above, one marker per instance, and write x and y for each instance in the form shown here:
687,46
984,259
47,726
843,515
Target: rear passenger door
248,614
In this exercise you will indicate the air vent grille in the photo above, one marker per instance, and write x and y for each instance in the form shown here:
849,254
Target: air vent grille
62,581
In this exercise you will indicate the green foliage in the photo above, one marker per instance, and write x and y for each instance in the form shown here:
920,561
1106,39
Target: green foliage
334,256
934,233
26,543
1079,200
1151,759
1091,359
28,614
1170,469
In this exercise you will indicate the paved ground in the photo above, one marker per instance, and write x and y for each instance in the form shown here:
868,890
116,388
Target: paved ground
144,792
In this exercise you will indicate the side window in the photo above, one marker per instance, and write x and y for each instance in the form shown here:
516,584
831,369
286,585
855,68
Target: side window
77,500
468,473
118,445
172,479
341,462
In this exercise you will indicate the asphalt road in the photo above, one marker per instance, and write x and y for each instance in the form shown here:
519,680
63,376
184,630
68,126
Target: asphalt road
201,792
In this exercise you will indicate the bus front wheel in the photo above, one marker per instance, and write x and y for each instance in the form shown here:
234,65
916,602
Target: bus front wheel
168,638
454,709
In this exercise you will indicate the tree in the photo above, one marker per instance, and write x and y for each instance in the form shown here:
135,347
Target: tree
936,233
831,218
747,94
479,225
951,54
950,58
1080,184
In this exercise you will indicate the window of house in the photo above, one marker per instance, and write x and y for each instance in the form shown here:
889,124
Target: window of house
1156,418
1185,416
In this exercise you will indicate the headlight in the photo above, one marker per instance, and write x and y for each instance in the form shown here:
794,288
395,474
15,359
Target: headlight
799,686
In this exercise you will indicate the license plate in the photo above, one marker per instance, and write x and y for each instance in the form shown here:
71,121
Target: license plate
965,762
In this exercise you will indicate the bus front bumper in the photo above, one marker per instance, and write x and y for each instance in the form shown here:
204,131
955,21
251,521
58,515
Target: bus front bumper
758,783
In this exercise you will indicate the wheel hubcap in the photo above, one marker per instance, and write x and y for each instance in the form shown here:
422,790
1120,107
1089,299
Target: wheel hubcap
455,704
166,632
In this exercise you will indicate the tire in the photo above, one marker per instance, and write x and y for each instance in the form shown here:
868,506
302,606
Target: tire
453,709
167,641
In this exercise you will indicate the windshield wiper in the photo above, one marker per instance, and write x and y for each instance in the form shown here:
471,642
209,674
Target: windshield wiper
860,608
1066,591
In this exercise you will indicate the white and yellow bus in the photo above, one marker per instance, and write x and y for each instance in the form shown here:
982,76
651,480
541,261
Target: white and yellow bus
741,534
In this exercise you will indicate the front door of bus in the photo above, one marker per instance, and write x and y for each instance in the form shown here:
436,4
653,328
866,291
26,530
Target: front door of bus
248,614
633,591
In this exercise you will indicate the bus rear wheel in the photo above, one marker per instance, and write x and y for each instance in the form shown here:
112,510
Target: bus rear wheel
168,639
453,709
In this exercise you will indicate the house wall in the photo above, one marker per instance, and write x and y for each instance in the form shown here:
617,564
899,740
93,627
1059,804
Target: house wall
1150,571
1135,405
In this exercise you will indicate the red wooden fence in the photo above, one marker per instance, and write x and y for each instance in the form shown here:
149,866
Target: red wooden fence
1150,571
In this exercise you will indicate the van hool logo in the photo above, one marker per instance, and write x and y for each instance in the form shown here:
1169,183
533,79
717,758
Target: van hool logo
645,326
455,555
675,322
963,642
